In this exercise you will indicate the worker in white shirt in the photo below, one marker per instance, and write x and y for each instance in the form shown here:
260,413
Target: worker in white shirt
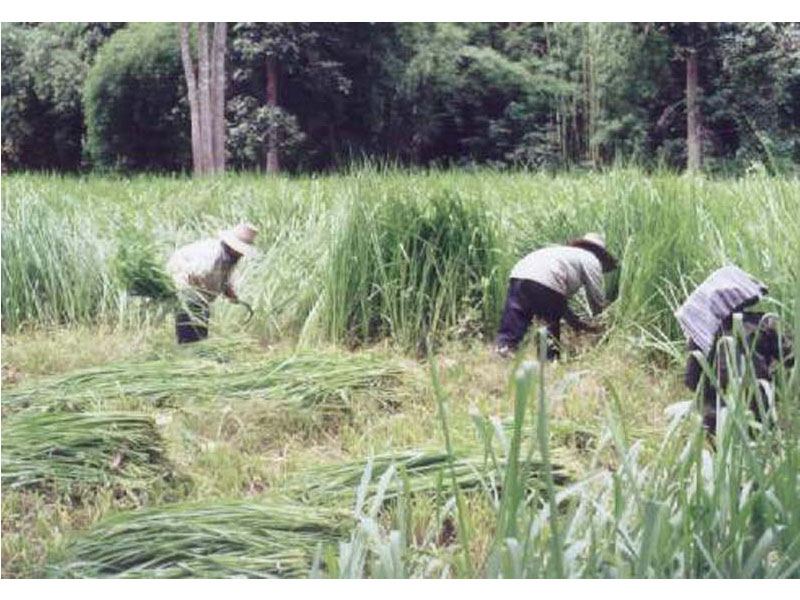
201,272
542,282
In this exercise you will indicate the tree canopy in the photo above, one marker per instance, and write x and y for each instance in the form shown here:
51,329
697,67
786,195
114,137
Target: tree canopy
113,95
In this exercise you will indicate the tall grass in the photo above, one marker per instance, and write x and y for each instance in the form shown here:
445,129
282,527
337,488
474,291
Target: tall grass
408,267
394,254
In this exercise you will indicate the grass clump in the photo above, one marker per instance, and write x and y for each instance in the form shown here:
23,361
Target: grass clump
138,268
324,381
54,268
217,539
410,269
63,452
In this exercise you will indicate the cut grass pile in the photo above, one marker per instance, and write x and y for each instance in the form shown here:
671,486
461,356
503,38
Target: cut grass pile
66,451
322,381
205,540
419,472
274,537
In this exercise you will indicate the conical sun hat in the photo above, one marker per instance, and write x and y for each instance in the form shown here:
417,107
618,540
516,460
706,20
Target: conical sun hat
240,238
595,242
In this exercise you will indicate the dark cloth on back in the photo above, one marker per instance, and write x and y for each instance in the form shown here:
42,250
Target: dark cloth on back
527,299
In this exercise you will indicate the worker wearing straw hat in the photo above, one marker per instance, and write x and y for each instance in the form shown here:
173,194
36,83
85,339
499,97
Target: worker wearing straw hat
543,281
201,272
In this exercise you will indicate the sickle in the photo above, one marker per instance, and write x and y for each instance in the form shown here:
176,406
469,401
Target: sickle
249,310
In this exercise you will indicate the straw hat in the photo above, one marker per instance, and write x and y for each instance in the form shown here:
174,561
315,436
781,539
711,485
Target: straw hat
240,238
596,244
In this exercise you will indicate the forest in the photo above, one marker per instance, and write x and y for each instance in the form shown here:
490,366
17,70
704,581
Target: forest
309,97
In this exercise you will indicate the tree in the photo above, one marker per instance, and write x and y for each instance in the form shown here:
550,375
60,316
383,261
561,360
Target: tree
44,67
312,96
134,101
756,101
205,84
275,60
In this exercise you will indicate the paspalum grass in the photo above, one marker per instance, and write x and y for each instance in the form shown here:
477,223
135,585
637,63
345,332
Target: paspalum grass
387,253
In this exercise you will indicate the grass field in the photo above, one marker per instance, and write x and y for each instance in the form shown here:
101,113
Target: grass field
320,440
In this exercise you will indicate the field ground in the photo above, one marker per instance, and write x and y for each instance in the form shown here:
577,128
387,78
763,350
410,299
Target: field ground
355,272
236,449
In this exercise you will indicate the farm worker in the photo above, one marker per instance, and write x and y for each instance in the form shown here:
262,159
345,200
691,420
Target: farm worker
201,271
707,314
542,282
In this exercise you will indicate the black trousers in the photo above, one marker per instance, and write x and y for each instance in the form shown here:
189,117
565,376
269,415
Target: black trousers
191,322
527,299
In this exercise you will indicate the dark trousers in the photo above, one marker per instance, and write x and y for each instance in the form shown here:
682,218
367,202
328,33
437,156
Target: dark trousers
767,348
527,299
191,322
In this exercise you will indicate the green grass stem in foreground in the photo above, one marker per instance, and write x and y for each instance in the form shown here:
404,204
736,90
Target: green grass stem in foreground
693,511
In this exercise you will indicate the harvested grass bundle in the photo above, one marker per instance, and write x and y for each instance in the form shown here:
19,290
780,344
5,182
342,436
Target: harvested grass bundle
422,472
138,268
62,451
207,540
324,381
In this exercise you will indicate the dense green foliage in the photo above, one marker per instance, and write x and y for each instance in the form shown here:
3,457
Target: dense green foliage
534,94
134,98
44,69
392,254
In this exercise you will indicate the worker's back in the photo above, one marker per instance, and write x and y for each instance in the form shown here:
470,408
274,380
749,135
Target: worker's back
563,269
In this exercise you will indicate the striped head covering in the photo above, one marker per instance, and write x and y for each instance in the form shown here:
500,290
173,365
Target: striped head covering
725,291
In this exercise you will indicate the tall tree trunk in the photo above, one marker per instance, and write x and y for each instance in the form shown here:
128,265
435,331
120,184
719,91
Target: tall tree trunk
272,101
218,96
693,155
204,77
194,108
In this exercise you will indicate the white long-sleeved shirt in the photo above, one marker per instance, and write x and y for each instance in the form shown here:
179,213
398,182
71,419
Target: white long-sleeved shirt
202,267
564,269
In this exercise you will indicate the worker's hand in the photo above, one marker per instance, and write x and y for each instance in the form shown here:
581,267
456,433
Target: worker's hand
230,294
